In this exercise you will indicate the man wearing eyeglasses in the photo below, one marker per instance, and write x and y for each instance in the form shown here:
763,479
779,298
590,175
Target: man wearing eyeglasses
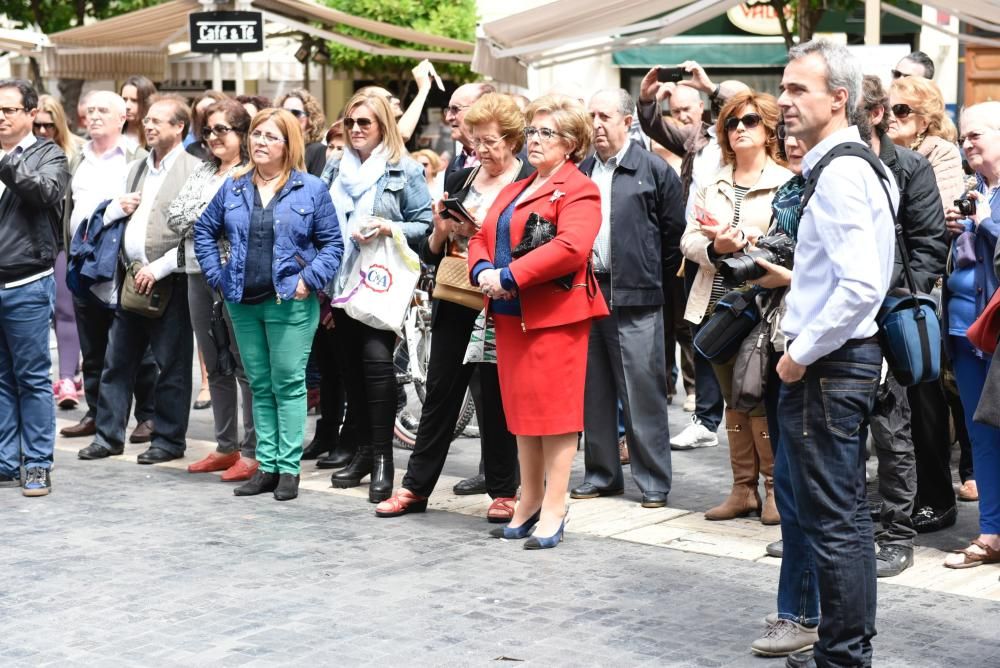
454,115
916,64
97,173
149,243
33,178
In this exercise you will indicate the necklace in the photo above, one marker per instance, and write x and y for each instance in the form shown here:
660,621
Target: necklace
262,179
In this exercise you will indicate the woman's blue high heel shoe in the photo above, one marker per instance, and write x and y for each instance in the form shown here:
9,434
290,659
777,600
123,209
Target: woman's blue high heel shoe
517,533
545,542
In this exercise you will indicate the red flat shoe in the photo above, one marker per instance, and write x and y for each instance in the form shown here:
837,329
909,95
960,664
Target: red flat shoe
402,502
501,510
215,461
243,469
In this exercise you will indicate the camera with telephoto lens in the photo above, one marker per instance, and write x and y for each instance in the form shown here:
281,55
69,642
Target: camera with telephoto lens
966,205
777,249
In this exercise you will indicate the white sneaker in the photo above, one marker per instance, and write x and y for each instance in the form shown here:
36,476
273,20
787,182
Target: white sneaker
695,435
689,404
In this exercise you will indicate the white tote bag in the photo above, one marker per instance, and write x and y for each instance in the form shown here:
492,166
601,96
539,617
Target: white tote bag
380,282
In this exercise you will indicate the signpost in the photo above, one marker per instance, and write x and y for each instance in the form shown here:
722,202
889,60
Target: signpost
227,32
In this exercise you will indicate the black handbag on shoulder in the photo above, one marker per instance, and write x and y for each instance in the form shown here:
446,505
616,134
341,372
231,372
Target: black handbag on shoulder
735,316
538,232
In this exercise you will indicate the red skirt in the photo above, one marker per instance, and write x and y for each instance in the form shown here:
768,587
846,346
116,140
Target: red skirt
542,376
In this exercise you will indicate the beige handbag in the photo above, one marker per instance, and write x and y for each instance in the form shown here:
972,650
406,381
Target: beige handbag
451,284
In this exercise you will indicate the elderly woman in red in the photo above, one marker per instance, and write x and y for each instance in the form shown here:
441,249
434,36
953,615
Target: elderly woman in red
542,327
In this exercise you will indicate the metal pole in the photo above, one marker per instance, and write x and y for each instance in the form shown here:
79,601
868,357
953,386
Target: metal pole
216,72
239,74
873,22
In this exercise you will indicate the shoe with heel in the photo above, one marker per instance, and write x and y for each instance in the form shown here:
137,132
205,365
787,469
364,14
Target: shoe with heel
517,533
545,542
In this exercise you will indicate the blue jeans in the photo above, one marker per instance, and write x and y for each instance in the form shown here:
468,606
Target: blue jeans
970,376
169,337
823,415
27,411
798,591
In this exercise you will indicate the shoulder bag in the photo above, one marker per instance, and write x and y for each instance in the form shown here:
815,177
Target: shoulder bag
735,316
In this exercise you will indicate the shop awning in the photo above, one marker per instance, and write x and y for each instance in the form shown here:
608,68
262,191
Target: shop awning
730,55
139,42
26,42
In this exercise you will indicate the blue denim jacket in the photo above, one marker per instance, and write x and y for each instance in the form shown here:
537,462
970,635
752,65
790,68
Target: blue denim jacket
307,240
401,196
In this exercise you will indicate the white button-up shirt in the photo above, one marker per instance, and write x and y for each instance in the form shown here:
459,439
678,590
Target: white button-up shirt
603,175
134,242
844,255
97,178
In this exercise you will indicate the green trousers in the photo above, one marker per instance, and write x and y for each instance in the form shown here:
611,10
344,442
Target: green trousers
274,341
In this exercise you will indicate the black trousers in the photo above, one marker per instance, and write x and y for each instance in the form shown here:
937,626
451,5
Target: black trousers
447,379
932,445
328,349
370,379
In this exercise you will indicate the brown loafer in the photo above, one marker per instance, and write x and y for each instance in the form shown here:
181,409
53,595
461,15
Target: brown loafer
243,469
215,461
143,432
968,491
85,427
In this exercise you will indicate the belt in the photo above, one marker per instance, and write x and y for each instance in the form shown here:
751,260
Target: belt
849,343
24,281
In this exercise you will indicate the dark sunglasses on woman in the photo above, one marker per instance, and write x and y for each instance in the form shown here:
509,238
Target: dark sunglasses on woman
363,123
749,121
220,131
297,113
901,111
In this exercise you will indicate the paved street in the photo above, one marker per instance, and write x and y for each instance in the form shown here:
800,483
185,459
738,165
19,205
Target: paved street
150,566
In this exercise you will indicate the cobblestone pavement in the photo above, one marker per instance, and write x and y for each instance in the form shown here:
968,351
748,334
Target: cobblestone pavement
149,566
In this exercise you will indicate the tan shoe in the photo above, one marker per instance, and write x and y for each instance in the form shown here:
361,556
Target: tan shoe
784,637
968,491
623,456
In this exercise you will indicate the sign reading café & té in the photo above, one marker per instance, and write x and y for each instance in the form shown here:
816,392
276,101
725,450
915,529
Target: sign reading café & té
226,32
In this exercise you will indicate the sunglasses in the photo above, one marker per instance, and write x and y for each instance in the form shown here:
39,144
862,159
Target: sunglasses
896,74
297,113
220,131
749,121
43,126
901,111
362,123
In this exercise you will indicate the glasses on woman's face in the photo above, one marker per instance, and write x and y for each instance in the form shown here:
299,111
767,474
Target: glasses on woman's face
543,134
901,111
488,142
297,113
43,127
265,138
363,123
219,131
749,121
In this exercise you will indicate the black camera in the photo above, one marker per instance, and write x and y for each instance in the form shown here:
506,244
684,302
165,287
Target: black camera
777,249
966,205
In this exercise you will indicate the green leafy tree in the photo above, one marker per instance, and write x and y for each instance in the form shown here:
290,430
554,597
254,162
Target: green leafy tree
450,18
800,17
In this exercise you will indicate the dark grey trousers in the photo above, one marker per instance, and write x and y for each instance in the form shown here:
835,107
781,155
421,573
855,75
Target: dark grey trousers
897,464
222,389
626,362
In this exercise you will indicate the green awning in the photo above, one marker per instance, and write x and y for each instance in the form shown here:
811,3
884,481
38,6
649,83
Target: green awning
708,54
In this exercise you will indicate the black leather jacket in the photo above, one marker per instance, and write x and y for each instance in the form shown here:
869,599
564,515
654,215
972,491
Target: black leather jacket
921,215
647,221
31,209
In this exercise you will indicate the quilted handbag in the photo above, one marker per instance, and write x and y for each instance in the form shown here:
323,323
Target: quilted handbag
451,284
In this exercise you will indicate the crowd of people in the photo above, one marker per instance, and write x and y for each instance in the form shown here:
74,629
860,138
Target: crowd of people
582,241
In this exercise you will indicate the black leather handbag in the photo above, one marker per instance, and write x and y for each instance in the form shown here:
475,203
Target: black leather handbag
538,232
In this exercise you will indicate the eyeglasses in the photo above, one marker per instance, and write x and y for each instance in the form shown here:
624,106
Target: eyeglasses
544,134
297,113
10,111
219,131
901,111
153,121
896,74
971,137
488,142
47,127
455,109
749,121
265,139
362,123
102,111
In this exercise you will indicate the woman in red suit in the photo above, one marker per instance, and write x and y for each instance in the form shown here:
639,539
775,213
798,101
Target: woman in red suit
542,328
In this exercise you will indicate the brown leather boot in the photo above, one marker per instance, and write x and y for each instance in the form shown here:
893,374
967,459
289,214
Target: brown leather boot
765,454
744,499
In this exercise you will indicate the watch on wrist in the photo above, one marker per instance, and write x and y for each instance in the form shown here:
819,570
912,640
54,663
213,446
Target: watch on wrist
714,95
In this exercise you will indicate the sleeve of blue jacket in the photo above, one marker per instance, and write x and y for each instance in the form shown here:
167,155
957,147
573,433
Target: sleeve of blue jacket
326,237
207,230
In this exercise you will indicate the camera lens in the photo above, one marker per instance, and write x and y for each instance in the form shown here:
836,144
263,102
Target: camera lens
741,269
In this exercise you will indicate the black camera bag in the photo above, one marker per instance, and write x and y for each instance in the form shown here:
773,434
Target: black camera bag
735,315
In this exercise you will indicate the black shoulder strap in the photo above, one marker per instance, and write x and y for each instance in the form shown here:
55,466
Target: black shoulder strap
138,176
859,151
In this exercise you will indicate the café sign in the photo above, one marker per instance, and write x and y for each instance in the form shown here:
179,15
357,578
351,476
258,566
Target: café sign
226,32
758,18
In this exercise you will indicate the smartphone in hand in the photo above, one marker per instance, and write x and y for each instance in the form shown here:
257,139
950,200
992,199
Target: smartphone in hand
669,74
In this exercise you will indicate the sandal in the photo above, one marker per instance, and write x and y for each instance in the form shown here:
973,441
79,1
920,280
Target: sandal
501,510
972,559
402,502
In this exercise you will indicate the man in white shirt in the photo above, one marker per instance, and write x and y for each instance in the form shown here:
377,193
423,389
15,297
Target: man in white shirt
832,362
150,242
98,171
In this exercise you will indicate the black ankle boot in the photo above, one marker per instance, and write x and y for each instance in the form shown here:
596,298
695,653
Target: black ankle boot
260,482
383,472
288,487
360,466
338,457
317,447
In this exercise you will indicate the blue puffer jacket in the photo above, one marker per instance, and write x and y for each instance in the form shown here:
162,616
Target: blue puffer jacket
307,238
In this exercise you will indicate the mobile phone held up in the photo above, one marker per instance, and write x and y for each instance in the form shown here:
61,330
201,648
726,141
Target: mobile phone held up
453,206
669,74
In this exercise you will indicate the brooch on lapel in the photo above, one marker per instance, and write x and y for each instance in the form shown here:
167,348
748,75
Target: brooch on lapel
556,195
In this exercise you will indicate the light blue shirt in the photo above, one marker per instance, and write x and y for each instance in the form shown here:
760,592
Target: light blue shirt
603,175
844,255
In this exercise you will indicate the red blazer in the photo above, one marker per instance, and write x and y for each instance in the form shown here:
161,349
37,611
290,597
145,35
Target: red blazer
576,214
